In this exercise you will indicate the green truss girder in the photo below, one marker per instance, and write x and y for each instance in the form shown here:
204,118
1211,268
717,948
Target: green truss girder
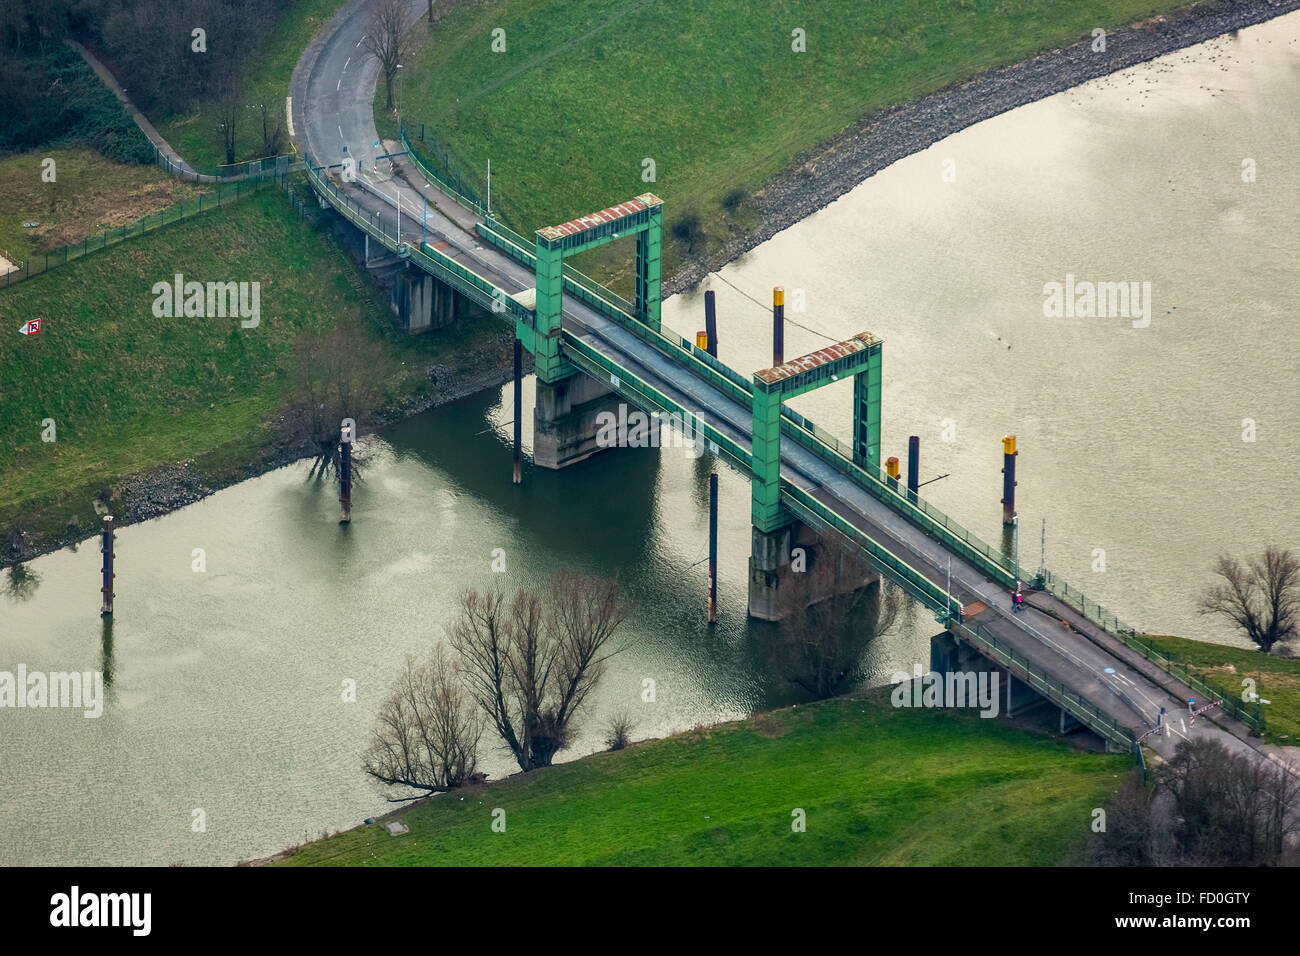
859,357
642,217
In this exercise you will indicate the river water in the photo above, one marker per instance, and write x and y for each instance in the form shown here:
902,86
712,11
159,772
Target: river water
226,685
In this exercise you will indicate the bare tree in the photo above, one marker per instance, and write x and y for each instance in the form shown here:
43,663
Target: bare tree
427,734
531,662
829,614
272,131
618,733
384,42
1262,597
227,114
334,376
1131,833
1231,809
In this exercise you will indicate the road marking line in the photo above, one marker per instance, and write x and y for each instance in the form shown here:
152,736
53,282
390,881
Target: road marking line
338,84
345,65
340,132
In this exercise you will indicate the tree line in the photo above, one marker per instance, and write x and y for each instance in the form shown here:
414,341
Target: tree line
152,47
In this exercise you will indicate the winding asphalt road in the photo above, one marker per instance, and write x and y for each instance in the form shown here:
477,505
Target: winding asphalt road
332,117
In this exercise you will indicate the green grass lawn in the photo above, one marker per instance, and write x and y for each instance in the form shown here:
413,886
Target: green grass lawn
90,193
1276,679
265,80
129,391
879,786
709,89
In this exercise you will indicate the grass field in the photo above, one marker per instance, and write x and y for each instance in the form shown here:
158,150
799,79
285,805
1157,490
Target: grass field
711,90
265,80
90,194
1276,679
879,786
129,391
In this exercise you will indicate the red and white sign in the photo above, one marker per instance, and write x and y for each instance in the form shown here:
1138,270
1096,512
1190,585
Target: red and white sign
31,327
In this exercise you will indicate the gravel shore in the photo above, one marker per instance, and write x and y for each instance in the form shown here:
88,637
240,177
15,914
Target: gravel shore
827,172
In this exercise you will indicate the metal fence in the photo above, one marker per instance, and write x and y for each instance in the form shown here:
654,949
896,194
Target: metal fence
224,194
1054,690
470,283
1250,713
277,166
438,165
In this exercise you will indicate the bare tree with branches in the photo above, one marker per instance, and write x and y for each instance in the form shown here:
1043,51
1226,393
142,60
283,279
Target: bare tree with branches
1205,806
334,376
829,613
427,733
1262,597
1230,809
532,661
384,42
228,111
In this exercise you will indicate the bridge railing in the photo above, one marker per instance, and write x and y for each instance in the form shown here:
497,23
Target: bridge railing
445,175
647,396
1251,713
1054,690
576,284
474,286
933,522
812,511
224,194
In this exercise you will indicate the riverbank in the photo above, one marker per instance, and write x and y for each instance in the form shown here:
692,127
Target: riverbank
1274,678
821,175
190,406
653,93
851,781
157,491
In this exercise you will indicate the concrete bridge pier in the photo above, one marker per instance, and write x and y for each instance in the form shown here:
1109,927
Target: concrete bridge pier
568,416
422,303
789,570
951,656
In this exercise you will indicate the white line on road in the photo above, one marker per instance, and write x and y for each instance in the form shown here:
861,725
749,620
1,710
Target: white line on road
345,65
338,84
340,132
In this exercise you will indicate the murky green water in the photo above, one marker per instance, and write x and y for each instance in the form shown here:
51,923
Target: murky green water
226,685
